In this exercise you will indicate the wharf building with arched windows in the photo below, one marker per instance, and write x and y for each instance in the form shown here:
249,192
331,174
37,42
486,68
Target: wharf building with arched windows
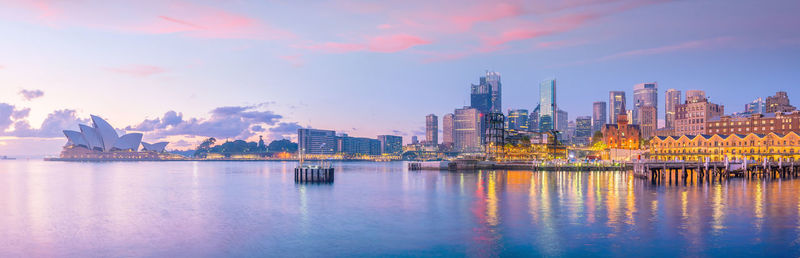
717,147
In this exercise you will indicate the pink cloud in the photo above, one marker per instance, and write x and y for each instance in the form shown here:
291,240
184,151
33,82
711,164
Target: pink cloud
395,43
138,70
383,44
484,12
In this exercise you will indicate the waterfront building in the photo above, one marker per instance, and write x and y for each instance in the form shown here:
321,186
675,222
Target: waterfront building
673,98
598,115
644,95
357,145
101,142
616,105
447,129
583,130
431,130
562,120
779,103
781,123
315,141
467,126
691,117
414,140
390,144
648,121
533,120
621,135
517,120
717,147
548,108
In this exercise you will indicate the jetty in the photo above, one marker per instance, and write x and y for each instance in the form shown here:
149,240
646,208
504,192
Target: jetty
305,173
471,164
709,170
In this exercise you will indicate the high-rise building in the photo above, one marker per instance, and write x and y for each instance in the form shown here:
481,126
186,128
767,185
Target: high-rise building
644,94
691,117
517,120
584,129
758,106
467,130
648,121
391,144
562,120
598,115
548,108
447,129
487,95
314,141
779,103
414,140
616,105
568,135
533,120
357,145
431,129
673,98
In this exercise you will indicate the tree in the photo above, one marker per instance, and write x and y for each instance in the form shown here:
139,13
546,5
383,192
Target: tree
282,146
597,137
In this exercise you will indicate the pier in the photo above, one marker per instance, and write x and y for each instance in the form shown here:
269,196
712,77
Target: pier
517,165
673,170
313,174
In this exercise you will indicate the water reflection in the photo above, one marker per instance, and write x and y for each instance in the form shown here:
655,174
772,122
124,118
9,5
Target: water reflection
378,209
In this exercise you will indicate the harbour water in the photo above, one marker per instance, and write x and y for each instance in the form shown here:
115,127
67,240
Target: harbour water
228,209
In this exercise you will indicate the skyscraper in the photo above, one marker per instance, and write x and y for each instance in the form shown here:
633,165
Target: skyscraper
616,102
431,130
673,99
758,106
598,115
314,141
562,120
447,129
518,119
547,105
583,129
391,144
533,120
648,121
644,94
467,130
487,95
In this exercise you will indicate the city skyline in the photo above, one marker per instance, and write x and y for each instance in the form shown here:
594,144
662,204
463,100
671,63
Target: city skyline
205,63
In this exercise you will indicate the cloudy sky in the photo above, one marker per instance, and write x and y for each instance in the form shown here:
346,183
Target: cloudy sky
185,70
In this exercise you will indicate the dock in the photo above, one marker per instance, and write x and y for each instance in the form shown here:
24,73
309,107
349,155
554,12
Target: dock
457,165
659,170
313,174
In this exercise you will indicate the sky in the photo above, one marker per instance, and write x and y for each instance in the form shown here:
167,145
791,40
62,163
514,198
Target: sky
182,71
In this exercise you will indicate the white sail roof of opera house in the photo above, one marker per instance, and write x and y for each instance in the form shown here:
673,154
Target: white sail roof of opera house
157,147
103,137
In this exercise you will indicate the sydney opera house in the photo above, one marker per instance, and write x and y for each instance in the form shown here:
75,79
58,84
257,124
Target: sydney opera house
101,142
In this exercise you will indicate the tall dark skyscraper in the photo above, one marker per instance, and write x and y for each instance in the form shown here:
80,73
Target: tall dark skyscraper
644,94
486,97
673,98
533,120
583,129
598,115
431,129
548,109
562,120
616,105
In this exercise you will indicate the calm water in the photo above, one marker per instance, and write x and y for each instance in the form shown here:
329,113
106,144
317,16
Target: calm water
377,209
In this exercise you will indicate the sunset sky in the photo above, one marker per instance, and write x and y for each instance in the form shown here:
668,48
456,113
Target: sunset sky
185,70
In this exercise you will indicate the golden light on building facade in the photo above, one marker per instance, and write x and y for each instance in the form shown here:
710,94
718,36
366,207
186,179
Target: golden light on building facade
717,147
